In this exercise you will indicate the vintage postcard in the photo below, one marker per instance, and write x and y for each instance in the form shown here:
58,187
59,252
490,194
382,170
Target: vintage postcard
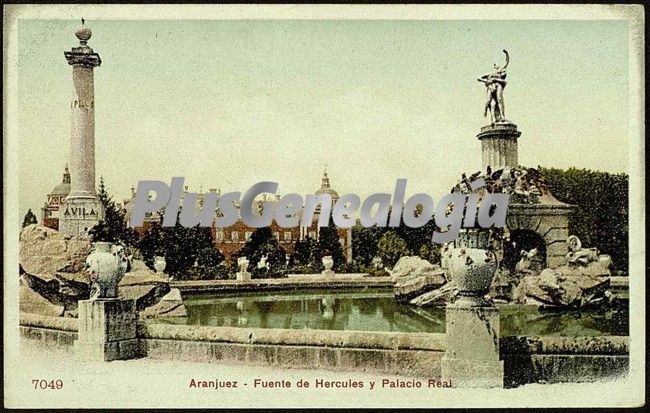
324,206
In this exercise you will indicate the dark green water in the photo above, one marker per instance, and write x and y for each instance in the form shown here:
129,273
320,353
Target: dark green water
378,311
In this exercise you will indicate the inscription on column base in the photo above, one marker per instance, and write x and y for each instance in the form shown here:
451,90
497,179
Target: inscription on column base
78,215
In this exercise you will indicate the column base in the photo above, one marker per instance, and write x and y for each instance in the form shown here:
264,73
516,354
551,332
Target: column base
77,215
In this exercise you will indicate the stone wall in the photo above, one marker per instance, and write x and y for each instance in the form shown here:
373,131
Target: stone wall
548,359
292,282
409,354
48,333
556,359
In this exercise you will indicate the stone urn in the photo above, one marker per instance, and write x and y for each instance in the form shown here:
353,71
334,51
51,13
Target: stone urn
471,265
328,263
105,267
159,264
243,274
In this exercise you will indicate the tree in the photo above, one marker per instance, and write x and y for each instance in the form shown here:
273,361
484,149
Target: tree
113,227
416,238
329,244
29,219
303,251
189,252
261,243
150,245
391,248
181,248
208,264
601,216
365,241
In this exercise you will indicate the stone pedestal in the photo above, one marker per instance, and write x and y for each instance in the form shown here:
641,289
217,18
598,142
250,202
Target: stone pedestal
499,145
78,215
472,351
107,330
243,276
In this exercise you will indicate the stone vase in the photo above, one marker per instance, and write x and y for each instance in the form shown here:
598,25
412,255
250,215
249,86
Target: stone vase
471,266
159,263
105,267
243,274
328,263
472,356
472,270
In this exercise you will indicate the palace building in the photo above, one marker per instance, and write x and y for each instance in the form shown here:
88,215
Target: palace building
231,239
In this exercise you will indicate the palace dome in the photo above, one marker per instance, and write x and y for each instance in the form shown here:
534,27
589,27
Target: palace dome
63,188
326,188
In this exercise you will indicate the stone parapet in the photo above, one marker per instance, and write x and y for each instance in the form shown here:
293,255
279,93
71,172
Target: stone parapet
49,322
525,359
339,281
563,359
409,363
294,337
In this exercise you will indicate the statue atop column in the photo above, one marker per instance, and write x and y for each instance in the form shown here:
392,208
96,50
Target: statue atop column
495,82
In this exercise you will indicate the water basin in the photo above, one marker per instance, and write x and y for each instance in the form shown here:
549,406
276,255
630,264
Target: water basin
376,310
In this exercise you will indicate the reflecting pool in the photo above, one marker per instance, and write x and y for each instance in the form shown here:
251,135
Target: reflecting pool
377,310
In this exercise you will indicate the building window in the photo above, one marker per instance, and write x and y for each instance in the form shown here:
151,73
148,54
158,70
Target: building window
312,234
219,236
234,236
342,241
276,235
248,235
287,236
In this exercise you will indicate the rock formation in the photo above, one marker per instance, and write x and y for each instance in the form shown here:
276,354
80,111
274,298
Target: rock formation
583,281
44,252
414,276
53,278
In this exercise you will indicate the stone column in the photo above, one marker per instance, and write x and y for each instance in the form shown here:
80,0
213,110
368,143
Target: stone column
472,351
81,209
107,330
499,145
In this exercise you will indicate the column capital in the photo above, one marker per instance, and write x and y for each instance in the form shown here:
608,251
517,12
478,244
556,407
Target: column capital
83,56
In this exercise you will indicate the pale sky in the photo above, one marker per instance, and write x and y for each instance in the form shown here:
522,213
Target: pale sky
229,103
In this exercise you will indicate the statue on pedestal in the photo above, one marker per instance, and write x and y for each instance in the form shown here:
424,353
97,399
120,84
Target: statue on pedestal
495,82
